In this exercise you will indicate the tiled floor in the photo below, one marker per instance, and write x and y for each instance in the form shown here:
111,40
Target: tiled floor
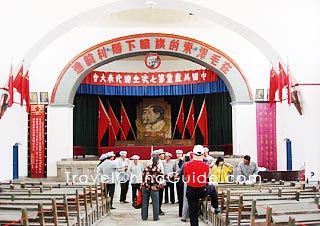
125,215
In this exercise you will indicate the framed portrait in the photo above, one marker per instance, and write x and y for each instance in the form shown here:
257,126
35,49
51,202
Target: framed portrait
259,94
44,98
33,98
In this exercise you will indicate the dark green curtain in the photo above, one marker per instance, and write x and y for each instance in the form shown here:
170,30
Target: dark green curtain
219,114
85,122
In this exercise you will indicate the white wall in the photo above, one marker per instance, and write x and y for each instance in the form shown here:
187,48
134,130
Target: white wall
293,35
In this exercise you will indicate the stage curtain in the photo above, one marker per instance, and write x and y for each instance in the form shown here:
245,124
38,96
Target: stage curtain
202,88
85,123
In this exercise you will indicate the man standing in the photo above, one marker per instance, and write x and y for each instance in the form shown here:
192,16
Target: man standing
196,173
179,185
246,168
135,169
107,173
207,158
123,177
169,173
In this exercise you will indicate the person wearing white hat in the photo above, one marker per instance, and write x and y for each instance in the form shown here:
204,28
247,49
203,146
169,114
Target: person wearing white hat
107,172
169,173
196,173
135,170
123,177
208,158
179,185
159,153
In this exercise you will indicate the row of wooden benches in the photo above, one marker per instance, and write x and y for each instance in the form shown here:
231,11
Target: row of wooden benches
48,204
265,204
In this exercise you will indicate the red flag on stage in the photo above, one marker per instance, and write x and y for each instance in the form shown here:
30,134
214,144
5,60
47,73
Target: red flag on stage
190,120
17,83
202,122
282,81
180,118
125,123
114,126
10,87
273,86
103,121
25,91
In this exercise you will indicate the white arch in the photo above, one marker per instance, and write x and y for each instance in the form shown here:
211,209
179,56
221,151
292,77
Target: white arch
70,79
121,5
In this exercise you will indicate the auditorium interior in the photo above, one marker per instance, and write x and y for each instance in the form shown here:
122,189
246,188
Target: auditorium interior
82,79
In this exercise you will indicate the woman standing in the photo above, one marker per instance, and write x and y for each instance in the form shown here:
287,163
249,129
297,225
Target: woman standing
152,181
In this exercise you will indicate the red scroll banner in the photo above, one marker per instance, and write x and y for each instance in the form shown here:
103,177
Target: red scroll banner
37,124
266,135
149,79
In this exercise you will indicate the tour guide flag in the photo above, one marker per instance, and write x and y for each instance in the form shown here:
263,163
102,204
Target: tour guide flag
202,122
103,121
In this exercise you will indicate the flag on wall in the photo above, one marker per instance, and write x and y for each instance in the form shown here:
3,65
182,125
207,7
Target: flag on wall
103,121
17,83
125,123
202,122
25,90
10,88
273,86
289,84
114,126
282,81
180,118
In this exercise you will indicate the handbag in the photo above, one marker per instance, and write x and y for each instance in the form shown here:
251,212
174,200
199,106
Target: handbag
138,203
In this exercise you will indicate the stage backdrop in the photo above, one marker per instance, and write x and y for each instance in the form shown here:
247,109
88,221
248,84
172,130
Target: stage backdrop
219,114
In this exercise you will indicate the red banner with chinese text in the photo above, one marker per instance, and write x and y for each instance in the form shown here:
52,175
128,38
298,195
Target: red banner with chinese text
149,79
266,135
36,141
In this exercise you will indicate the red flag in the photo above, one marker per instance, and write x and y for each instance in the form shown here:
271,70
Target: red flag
289,85
125,123
190,120
17,83
25,91
114,126
180,118
10,87
273,86
202,122
281,81
103,121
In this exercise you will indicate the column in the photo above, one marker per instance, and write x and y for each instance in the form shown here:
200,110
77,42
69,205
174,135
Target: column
60,135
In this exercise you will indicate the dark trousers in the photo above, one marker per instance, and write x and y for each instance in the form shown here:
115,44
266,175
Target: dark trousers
146,194
135,188
124,190
110,190
180,196
169,186
193,196
160,198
